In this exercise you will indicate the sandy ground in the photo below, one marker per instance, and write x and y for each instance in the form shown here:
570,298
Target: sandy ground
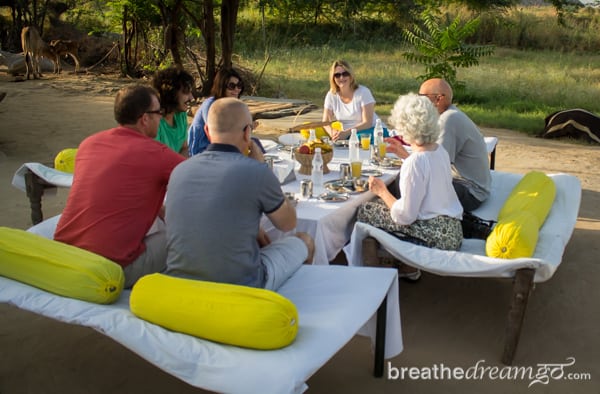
451,321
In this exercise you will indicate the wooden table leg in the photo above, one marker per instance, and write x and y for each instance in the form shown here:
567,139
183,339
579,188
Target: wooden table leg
35,191
522,286
369,252
380,339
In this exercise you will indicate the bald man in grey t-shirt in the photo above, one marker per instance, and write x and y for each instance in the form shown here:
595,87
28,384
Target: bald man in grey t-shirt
468,154
465,145
214,205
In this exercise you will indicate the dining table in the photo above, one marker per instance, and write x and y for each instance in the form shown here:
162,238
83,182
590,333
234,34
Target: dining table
330,223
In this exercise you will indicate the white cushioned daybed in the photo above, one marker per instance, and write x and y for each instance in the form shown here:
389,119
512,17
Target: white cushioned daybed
330,312
471,259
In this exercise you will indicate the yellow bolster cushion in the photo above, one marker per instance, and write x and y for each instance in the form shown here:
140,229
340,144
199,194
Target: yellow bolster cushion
65,160
231,314
515,236
59,268
534,193
523,213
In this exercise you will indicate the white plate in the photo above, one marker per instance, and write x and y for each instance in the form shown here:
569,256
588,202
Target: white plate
333,197
291,138
276,159
390,163
375,173
343,187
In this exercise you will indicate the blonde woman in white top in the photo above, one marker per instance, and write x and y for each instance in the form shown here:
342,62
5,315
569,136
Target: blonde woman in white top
428,211
348,102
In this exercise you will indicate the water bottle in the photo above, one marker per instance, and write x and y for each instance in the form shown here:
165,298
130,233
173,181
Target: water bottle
312,135
354,154
353,147
317,172
378,138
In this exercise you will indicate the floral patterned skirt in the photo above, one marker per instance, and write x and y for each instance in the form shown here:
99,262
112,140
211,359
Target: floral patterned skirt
440,232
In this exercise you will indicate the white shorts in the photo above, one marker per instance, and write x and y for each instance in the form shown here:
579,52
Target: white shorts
153,259
281,259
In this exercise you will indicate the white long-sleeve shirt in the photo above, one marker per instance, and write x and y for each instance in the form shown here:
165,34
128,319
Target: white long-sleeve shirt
426,188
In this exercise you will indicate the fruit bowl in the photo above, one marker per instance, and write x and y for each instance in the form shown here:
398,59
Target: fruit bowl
305,160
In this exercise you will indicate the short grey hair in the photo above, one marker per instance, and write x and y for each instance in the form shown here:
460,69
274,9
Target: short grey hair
416,119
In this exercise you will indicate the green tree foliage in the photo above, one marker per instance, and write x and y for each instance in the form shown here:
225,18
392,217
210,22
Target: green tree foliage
138,19
332,11
441,48
154,29
160,32
482,5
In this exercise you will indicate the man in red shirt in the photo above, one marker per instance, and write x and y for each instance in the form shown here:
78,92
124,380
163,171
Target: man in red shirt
119,185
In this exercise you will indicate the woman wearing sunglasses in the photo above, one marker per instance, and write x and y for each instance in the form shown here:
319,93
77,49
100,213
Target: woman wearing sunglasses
227,83
348,102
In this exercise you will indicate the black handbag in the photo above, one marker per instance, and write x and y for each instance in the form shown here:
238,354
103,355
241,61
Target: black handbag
476,227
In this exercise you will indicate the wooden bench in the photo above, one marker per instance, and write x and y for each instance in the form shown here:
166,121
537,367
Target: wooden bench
368,244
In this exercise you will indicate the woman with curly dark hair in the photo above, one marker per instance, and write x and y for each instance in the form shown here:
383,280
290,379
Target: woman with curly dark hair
174,86
227,83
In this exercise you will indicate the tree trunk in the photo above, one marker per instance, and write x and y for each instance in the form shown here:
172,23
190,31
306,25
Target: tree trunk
206,24
125,66
172,24
211,46
229,10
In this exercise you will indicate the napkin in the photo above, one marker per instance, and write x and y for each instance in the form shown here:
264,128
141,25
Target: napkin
284,171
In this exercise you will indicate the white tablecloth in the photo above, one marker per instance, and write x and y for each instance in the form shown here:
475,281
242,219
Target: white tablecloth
330,224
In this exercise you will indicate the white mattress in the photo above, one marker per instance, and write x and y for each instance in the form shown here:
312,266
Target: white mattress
58,178
48,174
331,311
471,260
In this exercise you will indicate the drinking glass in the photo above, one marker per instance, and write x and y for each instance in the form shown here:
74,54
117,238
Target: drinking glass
365,141
382,148
356,169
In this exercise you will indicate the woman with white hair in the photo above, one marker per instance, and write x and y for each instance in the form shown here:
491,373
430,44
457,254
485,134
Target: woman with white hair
428,212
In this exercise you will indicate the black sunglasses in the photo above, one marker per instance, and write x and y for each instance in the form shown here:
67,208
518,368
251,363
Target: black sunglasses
431,94
343,74
232,86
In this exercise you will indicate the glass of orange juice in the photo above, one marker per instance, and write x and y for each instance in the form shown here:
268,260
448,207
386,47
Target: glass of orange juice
382,149
365,141
356,169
